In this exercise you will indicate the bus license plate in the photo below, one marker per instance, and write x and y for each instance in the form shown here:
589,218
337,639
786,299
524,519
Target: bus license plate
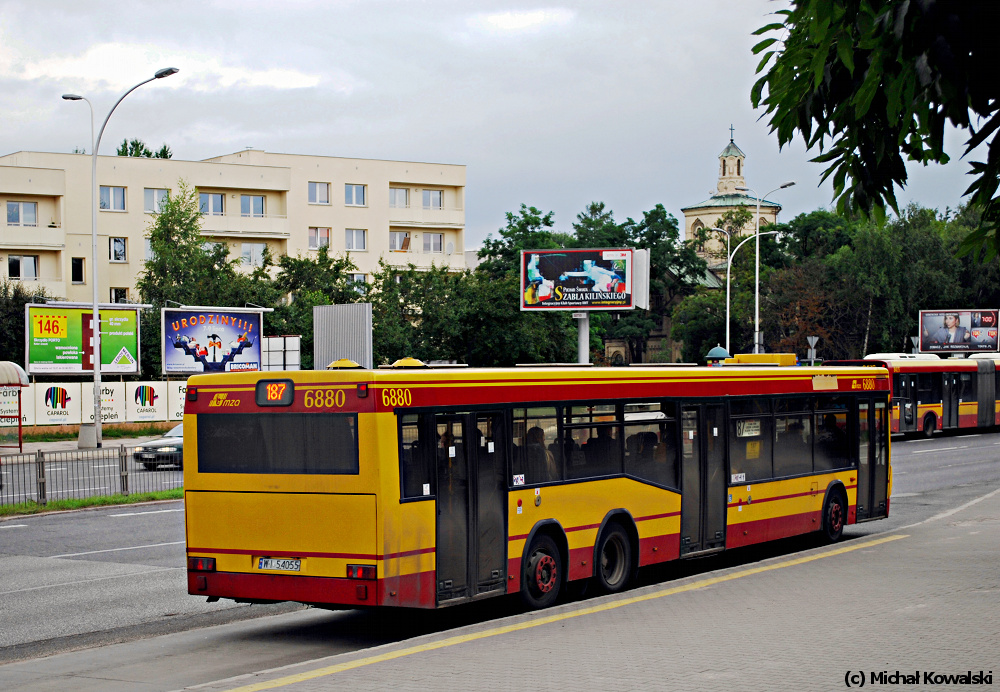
283,565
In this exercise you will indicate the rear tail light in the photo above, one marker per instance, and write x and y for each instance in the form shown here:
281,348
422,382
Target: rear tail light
361,571
192,394
201,564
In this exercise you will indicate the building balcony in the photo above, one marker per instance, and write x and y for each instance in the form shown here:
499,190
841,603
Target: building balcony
43,236
55,288
418,217
239,226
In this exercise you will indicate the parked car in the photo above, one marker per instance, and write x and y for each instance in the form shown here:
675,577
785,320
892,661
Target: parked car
163,451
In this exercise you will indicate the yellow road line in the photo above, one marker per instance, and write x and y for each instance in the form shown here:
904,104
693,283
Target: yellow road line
545,620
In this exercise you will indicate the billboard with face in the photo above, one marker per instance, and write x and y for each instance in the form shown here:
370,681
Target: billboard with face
211,340
577,279
958,331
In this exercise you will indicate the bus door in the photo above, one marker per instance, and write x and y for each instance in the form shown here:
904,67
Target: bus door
905,398
986,392
703,479
949,400
873,460
471,503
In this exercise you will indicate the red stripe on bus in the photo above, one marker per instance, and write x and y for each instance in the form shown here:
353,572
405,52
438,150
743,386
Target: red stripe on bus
658,516
283,553
584,527
781,497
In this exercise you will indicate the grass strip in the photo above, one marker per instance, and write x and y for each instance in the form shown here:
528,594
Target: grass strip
23,508
108,432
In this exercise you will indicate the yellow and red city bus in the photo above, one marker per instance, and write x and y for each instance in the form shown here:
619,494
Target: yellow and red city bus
931,393
424,487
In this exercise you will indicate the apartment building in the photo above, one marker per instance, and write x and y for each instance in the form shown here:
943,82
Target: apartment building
404,212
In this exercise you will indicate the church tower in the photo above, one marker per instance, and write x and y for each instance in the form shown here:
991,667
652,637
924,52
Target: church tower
731,169
732,175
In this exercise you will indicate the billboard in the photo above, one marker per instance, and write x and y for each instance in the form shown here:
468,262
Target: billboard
59,338
204,339
577,279
958,331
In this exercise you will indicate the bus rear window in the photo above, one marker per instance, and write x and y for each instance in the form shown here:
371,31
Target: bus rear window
307,443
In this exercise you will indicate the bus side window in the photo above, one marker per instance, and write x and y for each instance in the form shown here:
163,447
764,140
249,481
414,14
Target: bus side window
416,456
537,448
832,449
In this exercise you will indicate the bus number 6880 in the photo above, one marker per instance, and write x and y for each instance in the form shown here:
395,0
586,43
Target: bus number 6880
396,397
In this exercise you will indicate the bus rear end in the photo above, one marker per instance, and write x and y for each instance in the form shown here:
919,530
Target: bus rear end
279,503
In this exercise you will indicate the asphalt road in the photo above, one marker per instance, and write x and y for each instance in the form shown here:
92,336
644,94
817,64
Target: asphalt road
115,576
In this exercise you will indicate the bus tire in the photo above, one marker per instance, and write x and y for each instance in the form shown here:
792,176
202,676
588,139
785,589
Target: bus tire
930,424
614,565
541,578
834,516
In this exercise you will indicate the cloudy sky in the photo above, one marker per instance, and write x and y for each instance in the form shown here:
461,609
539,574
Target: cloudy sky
554,105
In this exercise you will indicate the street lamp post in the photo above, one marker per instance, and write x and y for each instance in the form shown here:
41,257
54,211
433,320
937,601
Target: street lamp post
756,300
95,145
729,261
729,264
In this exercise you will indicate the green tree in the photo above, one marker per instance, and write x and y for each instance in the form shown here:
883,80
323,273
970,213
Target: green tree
136,147
880,79
14,295
699,322
185,270
528,229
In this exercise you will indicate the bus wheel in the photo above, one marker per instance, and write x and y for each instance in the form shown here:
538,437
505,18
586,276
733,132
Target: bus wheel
834,517
542,577
615,559
930,423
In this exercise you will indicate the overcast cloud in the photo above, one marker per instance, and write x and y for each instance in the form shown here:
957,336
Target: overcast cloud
551,104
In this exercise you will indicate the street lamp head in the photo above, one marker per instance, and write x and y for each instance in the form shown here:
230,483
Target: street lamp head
72,97
166,72
788,184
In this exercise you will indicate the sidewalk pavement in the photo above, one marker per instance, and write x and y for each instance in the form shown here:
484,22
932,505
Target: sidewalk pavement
922,599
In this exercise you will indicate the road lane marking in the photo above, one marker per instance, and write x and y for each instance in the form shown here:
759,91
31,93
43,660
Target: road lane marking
112,550
545,620
135,514
13,526
968,463
105,466
948,513
939,449
87,581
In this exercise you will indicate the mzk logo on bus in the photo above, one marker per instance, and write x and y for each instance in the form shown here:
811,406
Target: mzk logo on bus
211,340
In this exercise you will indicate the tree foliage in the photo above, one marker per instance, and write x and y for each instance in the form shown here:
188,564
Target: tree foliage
873,83
136,147
14,295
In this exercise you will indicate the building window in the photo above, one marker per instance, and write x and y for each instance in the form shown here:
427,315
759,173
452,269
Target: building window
354,195
76,270
737,166
210,203
118,249
355,239
360,282
150,255
319,193
252,205
399,197
433,199
433,242
253,254
22,214
154,199
119,295
24,267
319,237
112,198
399,241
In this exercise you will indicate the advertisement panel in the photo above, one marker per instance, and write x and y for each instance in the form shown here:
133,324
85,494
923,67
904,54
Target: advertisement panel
9,406
112,402
204,339
176,391
577,279
59,404
145,401
958,331
59,339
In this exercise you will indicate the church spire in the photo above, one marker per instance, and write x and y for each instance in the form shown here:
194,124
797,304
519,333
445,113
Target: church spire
731,167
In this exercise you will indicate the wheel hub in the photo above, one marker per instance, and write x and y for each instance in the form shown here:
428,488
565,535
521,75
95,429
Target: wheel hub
545,573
